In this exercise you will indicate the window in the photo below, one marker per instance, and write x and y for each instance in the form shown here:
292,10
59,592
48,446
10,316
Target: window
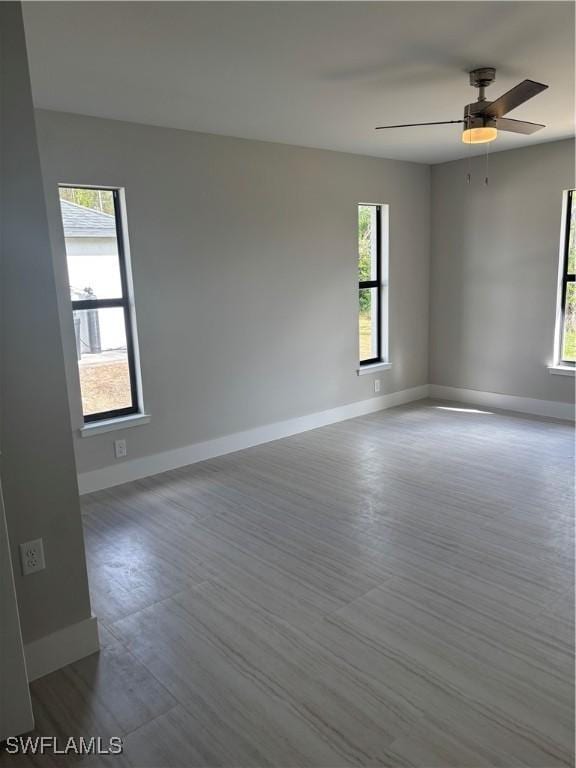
100,291
566,325
373,283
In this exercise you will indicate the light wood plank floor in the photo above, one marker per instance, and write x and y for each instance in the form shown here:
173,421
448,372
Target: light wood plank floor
394,590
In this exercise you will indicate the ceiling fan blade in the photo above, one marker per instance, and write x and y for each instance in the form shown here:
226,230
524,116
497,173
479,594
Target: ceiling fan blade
413,125
513,98
517,126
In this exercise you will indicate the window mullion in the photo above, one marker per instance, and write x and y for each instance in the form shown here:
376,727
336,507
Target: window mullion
98,303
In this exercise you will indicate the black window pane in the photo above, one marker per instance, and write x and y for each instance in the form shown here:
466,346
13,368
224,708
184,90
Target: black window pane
102,354
367,243
368,323
569,334
91,243
572,236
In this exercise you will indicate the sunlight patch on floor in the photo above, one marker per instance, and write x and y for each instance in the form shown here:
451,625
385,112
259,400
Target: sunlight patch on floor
462,410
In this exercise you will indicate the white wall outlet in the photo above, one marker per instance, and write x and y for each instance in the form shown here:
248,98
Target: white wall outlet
120,449
32,556
376,385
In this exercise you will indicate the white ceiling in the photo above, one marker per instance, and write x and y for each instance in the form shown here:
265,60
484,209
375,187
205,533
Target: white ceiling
317,74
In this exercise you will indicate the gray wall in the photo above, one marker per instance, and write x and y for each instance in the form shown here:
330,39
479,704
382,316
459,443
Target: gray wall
37,465
245,268
494,271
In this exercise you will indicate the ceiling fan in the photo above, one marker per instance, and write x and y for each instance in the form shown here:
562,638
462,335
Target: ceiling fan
483,119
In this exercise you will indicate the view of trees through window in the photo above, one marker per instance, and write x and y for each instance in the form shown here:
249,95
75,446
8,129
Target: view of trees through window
97,199
367,271
569,286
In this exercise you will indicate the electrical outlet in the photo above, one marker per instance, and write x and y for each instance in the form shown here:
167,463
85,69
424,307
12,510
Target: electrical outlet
376,385
120,449
32,556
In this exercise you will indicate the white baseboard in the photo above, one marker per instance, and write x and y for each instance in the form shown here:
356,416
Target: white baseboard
61,648
533,406
135,469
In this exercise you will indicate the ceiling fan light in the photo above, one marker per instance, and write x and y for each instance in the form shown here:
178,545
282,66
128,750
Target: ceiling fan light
481,135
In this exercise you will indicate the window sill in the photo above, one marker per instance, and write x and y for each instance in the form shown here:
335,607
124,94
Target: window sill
562,370
373,368
111,425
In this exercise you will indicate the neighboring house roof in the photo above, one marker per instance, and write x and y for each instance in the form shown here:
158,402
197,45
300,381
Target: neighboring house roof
80,221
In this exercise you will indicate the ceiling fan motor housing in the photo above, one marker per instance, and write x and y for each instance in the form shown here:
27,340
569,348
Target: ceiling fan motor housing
473,116
480,78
